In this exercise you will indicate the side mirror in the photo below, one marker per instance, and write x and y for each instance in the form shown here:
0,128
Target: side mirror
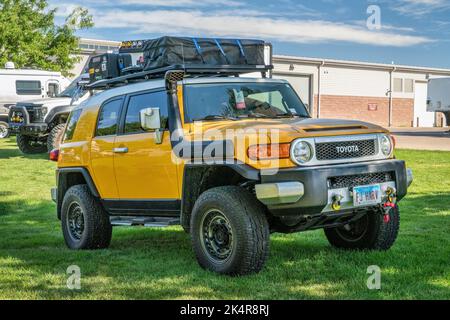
150,119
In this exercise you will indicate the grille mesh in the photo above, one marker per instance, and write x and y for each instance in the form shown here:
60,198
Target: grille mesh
35,113
360,179
345,149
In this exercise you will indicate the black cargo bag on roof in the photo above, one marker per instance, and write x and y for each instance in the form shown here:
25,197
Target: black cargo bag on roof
167,51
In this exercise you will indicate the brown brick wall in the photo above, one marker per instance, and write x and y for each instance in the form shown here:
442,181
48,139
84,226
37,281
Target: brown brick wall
357,108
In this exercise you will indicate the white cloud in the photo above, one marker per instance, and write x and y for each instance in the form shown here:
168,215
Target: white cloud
181,3
419,8
225,24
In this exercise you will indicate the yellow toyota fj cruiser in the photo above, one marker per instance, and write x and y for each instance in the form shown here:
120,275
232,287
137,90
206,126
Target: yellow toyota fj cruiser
231,159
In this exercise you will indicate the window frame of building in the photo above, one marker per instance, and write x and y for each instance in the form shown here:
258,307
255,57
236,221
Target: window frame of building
408,85
398,81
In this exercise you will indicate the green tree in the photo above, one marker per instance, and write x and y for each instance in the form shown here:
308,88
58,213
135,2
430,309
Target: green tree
30,38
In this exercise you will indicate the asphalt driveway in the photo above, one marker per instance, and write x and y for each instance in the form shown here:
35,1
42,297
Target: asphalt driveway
422,138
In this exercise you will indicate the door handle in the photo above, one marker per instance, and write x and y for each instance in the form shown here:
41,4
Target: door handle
120,150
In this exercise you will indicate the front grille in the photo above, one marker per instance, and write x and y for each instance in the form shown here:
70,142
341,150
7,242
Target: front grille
35,113
345,149
360,180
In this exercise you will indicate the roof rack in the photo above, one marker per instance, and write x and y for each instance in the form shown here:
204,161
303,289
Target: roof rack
187,70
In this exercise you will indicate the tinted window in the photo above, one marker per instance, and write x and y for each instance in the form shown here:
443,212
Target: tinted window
25,87
72,124
266,100
143,101
108,118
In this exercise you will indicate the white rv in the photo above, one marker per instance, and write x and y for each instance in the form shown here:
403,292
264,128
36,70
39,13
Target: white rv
439,97
18,85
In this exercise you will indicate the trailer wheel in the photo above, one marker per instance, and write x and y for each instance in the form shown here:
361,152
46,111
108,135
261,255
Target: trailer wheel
55,137
31,145
4,130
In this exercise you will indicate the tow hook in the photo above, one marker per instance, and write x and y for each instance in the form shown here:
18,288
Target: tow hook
391,200
336,202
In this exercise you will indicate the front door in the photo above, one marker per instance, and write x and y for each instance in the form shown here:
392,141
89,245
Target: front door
144,169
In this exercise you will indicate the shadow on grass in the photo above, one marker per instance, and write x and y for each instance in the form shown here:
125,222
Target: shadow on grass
11,151
160,264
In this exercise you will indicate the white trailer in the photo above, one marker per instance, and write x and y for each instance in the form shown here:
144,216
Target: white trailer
439,97
18,85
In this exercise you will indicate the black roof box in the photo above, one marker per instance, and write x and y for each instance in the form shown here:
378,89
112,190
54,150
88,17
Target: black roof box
169,51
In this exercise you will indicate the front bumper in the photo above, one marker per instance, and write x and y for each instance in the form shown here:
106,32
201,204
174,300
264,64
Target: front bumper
316,185
26,126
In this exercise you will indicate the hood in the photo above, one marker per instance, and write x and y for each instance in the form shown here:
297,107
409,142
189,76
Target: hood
48,102
290,129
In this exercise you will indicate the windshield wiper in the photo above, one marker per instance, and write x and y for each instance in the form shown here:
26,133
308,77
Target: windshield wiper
286,115
254,115
215,117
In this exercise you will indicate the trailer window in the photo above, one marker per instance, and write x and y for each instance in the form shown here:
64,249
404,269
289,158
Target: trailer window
28,87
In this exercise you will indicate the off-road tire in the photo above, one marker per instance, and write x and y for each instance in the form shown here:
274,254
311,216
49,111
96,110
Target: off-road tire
55,136
97,227
4,130
379,234
250,230
30,145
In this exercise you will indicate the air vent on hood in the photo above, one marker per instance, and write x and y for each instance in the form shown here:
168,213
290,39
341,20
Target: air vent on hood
335,128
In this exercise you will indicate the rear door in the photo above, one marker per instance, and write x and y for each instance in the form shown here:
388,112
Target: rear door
102,145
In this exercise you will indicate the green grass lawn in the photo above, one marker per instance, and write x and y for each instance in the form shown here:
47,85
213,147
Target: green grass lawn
146,263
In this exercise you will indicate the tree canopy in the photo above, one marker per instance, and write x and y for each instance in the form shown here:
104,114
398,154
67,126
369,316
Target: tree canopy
30,38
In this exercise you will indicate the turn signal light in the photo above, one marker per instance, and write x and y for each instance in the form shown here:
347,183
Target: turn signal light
54,155
394,142
269,151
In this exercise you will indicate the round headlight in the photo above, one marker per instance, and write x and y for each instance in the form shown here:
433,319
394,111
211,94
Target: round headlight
386,145
302,152
44,110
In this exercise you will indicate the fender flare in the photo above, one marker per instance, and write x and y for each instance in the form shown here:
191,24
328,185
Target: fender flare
192,176
53,113
61,183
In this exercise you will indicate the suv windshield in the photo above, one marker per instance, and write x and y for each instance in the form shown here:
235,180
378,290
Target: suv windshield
70,90
242,100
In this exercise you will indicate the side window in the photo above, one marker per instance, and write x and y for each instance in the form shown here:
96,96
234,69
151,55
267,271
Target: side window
72,124
53,89
108,118
28,87
143,101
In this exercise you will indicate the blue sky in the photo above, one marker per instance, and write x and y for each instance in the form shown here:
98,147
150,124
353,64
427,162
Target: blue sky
412,32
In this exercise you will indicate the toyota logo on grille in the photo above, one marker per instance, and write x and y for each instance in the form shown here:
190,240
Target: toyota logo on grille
347,149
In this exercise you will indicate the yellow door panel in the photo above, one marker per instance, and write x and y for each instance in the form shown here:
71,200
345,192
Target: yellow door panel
102,164
146,170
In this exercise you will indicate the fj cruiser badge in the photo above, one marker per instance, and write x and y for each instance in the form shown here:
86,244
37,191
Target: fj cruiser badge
347,149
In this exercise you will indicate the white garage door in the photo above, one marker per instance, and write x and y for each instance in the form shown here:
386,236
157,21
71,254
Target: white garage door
301,84
422,118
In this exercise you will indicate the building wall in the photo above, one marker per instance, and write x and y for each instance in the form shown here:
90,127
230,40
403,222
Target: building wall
361,93
369,109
